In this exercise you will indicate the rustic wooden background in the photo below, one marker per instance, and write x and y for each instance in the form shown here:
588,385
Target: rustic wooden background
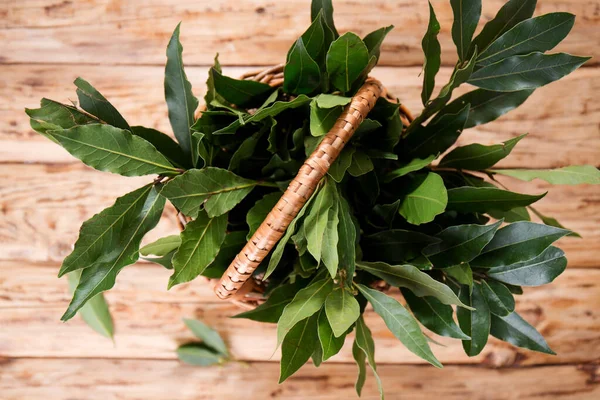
45,194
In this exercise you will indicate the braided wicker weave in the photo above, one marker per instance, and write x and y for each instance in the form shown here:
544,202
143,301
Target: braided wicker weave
302,186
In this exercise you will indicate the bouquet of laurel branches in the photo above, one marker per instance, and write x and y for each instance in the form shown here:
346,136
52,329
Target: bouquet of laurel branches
400,207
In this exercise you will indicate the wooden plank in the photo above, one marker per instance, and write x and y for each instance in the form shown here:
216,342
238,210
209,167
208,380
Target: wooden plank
253,32
148,321
43,207
562,119
154,379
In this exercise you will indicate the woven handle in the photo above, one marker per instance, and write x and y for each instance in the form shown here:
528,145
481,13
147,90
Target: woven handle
299,191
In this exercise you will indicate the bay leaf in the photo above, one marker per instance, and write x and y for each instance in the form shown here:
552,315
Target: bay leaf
181,102
94,103
517,242
541,34
400,323
115,150
525,72
425,198
346,58
432,52
215,189
200,243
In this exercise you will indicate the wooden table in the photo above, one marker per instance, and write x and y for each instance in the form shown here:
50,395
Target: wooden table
119,46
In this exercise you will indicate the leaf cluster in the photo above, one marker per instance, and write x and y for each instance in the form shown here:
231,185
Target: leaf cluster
442,229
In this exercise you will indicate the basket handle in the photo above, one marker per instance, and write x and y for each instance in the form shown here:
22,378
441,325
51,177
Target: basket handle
299,190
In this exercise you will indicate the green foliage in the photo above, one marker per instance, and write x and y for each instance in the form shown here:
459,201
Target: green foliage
388,210
95,312
212,350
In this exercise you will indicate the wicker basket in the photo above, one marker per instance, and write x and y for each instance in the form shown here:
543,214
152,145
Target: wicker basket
235,284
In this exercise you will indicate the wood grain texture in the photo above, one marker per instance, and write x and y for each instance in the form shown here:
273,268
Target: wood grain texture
254,32
137,379
148,321
562,119
119,45
43,206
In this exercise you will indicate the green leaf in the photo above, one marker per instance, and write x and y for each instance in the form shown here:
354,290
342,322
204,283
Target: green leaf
211,93
552,222
347,234
525,72
374,40
330,344
460,75
326,8
499,299
322,119
93,102
479,157
297,347
115,150
261,114
459,244
313,39
95,312
538,271
515,330
571,175
425,199
166,260
475,322
208,335
342,311
538,34
346,59
257,214
180,100
514,215
434,315
53,115
242,93
407,276
360,358
329,253
364,341
116,251
395,245
162,246
466,17
462,273
164,144
216,189
400,323
342,163
271,310
232,245
484,199
301,73
361,164
436,137
305,303
520,241
198,354
486,106
246,150
415,164
317,220
432,52
325,100
108,231
200,243
511,13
